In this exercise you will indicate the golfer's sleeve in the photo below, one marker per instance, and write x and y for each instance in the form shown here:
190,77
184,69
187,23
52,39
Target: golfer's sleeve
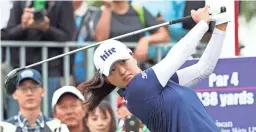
179,53
191,75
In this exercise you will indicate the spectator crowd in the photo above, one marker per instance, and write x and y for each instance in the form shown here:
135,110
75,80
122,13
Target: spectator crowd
79,21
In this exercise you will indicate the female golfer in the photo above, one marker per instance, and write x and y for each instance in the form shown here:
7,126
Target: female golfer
160,103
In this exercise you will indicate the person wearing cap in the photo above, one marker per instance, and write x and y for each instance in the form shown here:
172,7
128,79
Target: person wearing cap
160,103
67,105
29,94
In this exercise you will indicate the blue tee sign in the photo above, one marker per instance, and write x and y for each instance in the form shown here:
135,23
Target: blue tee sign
229,94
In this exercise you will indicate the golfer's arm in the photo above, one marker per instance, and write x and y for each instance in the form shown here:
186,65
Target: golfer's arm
191,75
103,27
179,53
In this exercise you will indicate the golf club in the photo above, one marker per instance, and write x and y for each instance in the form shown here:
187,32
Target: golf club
11,78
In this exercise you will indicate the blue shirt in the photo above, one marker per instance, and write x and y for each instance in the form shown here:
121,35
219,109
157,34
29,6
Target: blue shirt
172,108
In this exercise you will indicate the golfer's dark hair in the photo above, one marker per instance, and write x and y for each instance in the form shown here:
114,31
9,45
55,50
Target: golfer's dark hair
95,90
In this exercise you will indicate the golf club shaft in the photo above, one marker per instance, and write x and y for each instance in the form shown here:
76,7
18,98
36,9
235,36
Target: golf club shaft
115,38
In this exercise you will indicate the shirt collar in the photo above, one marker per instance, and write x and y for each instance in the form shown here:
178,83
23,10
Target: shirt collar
82,9
23,121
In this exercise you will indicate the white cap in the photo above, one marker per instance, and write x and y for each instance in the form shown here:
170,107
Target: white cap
66,89
108,53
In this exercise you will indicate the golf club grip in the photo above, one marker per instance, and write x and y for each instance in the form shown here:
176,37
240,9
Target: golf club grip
187,18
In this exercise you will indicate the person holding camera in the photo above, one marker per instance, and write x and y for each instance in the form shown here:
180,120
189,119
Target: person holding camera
34,19
41,21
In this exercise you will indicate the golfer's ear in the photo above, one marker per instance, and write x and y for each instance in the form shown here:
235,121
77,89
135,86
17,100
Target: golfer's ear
132,54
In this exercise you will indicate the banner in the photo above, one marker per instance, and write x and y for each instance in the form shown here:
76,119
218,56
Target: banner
229,94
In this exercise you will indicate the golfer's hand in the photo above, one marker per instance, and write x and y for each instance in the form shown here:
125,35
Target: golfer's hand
27,18
141,51
201,14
